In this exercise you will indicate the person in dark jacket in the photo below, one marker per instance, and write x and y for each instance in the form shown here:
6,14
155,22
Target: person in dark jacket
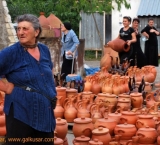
151,44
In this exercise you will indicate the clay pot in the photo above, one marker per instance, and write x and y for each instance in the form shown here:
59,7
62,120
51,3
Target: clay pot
106,61
123,104
107,123
82,140
43,21
82,126
119,45
95,142
65,142
147,135
58,141
152,69
96,87
136,100
145,120
125,96
127,131
54,21
3,131
115,116
101,134
147,87
150,100
128,117
61,128
61,91
87,84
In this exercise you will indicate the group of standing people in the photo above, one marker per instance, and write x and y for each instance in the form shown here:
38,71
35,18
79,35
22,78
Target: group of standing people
132,36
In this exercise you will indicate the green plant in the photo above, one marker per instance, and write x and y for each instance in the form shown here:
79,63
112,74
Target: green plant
90,55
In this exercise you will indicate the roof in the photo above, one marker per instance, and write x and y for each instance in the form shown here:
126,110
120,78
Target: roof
149,8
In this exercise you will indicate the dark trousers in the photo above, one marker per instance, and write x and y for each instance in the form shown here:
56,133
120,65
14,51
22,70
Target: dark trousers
67,67
19,133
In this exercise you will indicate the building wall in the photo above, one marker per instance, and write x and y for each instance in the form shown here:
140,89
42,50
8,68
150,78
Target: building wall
7,31
117,16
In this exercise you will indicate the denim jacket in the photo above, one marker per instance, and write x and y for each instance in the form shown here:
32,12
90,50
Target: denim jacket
71,41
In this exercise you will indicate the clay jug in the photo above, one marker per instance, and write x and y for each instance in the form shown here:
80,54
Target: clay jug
82,126
145,120
115,88
127,131
107,86
61,128
147,135
96,87
95,142
61,91
118,45
152,68
107,123
70,112
128,117
106,61
150,100
59,110
82,140
87,84
136,100
101,134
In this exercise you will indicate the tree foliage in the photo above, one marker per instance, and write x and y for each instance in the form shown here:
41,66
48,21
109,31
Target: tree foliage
66,10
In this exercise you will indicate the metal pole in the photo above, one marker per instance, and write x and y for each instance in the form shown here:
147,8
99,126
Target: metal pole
73,58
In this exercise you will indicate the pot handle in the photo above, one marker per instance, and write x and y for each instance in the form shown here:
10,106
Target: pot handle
128,142
121,131
140,135
86,130
139,123
124,119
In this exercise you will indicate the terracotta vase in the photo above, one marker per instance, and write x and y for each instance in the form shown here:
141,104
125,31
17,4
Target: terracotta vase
87,84
59,110
119,45
101,134
82,126
145,120
70,112
152,68
96,87
107,86
127,131
61,128
116,89
61,91
106,61
82,140
136,100
95,142
147,135
106,123
128,117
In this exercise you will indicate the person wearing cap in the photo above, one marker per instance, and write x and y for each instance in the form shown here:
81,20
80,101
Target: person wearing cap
69,43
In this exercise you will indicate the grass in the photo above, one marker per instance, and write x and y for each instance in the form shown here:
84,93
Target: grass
90,55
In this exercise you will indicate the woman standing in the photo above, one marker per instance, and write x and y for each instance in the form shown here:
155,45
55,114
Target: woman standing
127,34
151,45
30,86
138,55
69,44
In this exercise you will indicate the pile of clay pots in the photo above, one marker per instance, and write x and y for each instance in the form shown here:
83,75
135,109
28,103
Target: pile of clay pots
110,119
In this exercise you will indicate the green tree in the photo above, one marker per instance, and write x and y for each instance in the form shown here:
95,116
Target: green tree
66,10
